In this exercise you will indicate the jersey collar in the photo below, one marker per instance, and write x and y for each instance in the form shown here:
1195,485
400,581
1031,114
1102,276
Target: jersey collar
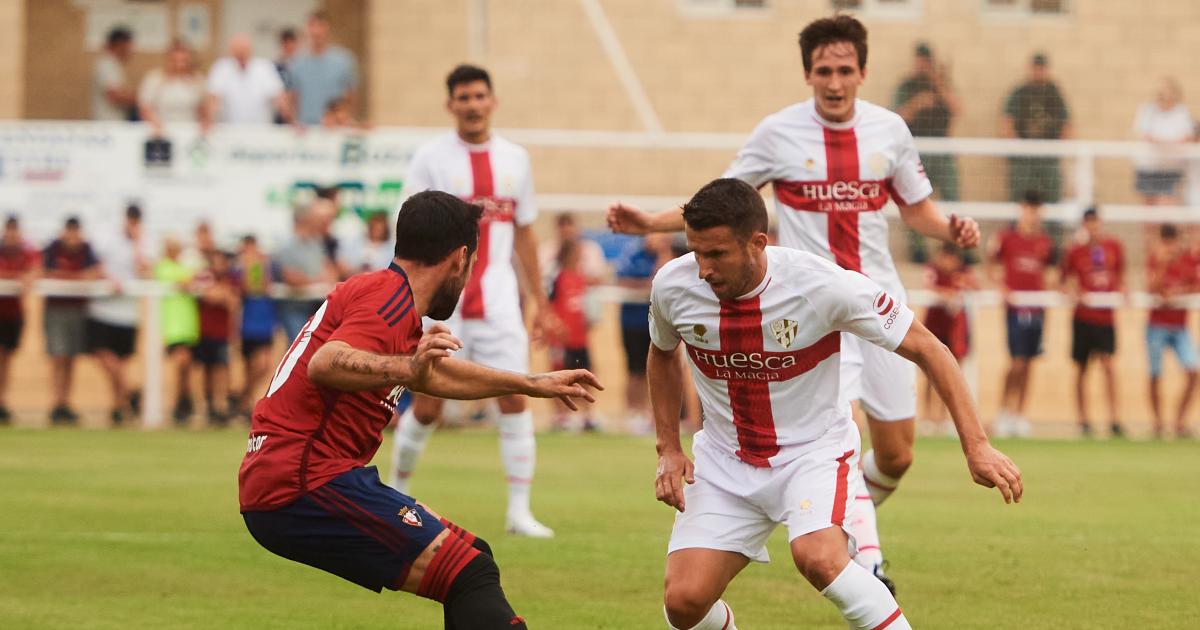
816,114
393,267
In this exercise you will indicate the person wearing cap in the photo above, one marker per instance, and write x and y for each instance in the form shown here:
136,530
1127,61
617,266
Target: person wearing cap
1036,110
927,104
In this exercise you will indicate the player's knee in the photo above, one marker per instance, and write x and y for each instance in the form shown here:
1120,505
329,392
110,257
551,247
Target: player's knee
686,602
894,462
819,563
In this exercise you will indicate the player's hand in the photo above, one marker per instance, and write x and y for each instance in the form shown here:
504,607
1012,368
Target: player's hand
672,467
992,469
565,385
964,231
627,219
436,343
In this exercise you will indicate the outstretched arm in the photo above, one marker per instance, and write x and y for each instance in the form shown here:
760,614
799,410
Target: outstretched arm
627,219
989,467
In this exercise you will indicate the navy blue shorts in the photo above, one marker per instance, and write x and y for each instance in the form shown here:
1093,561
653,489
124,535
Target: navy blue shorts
354,527
1024,333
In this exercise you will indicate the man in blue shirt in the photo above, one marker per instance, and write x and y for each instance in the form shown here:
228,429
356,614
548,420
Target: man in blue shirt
323,75
635,267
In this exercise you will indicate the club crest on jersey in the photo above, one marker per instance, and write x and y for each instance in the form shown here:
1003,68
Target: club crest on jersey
698,331
883,303
409,516
785,331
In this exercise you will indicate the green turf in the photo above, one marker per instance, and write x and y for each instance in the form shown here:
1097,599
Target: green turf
140,530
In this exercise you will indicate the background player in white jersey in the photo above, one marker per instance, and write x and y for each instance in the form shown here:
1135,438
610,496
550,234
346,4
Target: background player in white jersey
483,168
834,162
763,327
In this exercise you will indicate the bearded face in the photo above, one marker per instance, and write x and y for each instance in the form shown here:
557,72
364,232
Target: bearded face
445,299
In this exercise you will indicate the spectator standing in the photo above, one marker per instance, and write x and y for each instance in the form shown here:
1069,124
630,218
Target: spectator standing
244,89
112,96
1165,122
17,262
566,228
569,342
927,103
1036,110
180,324
1091,269
947,276
1020,257
217,302
1171,272
323,74
69,257
112,321
304,261
174,93
635,269
374,252
253,272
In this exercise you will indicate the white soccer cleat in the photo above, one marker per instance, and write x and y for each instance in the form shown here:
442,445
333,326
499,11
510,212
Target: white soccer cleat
528,526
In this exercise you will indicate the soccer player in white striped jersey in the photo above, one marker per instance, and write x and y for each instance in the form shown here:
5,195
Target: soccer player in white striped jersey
483,168
764,328
834,162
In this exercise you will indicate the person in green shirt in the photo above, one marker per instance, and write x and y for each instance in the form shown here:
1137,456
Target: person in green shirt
180,324
1036,110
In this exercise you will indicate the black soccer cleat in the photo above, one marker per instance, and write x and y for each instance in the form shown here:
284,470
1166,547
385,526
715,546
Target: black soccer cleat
882,577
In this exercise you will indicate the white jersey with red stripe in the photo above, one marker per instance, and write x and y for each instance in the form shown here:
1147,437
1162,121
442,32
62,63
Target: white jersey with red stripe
832,180
498,176
766,365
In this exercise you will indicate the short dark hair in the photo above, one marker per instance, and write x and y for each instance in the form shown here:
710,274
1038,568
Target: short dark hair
133,211
72,223
287,35
825,31
1091,213
1168,232
432,224
564,218
729,202
12,222
119,35
1031,198
466,73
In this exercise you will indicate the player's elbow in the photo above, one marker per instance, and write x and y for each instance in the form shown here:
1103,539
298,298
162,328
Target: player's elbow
320,367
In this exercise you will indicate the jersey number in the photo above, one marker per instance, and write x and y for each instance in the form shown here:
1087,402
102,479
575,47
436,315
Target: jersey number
293,354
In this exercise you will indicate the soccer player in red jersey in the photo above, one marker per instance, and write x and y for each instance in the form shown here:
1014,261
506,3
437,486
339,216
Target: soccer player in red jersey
305,490
834,162
1019,259
1171,271
1094,267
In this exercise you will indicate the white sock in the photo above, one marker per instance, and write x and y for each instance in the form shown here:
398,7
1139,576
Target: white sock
410,440
864,601
865,531
719,617
879,485
519,452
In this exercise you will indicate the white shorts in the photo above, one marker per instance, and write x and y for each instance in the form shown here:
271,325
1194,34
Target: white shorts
734,506
883,382
498,343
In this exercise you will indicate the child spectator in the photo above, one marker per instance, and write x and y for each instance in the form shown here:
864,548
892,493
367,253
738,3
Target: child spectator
569,344
948,276
180,324
1170,272
218,300
253,272
17,261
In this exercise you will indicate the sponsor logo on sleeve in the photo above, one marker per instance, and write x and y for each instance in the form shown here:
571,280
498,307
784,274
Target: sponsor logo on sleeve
885,305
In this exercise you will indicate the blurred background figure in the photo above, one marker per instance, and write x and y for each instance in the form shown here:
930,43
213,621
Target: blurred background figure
376,249
322,74
112,325
304,261
1171,272
18,261
217,302
1167,123
244,89
69,257
175,92
568,343
1019,260
289,45
180,325
1036,110
112,96
635,269
947,275
1095,266
253,270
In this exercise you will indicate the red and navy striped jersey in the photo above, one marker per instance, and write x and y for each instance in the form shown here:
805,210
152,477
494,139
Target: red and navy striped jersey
301,434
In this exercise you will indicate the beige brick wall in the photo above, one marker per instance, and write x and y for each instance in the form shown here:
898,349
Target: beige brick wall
725,74
12,52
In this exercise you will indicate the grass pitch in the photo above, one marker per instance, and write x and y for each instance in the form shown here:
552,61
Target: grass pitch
122,529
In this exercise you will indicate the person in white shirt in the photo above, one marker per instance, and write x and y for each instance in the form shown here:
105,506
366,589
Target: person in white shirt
483,168
175,92
1164,122
112,98
244,89
763,328
834,162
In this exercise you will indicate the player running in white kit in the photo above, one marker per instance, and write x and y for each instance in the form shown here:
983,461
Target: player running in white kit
764,328
483,168
834,162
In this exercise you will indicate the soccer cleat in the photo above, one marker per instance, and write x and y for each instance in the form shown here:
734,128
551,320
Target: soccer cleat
528,526
882,577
